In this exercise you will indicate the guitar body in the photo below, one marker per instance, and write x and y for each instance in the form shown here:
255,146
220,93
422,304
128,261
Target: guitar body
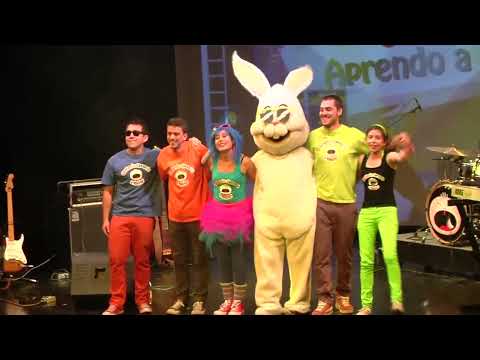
14,251
14,258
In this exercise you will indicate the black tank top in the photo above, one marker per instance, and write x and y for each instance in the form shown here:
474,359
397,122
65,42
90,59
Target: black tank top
378,184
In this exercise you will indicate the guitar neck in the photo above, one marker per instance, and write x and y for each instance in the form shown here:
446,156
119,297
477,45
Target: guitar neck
11,229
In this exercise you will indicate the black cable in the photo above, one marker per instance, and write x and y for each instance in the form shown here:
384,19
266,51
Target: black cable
21,305
402,114
27,272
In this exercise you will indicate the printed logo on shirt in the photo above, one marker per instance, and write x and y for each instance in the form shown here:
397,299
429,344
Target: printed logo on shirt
331,149
135,173
331,155
225,188
180,173
372,181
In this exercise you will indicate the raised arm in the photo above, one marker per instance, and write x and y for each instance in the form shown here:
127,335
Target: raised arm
403,148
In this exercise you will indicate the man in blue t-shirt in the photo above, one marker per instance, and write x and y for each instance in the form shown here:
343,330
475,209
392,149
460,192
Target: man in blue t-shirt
131,182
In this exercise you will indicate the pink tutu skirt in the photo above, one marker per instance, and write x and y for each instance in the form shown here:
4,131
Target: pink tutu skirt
228,223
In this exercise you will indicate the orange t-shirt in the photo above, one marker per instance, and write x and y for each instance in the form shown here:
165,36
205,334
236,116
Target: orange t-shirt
187,181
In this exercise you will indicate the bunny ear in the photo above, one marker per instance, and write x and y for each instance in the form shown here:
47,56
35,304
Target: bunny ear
251,77
299,79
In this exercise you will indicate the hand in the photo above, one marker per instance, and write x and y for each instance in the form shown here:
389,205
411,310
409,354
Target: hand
401,140
195,141
403,137
205,157
106,227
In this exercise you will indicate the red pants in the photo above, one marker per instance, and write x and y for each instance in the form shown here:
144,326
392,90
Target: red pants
130,233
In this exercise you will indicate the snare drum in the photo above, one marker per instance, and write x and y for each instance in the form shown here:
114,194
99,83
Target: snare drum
469,171
476,168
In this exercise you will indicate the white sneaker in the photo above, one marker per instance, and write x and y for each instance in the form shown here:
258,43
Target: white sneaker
113,310
263,311
177,308
398,309
198,308
365,311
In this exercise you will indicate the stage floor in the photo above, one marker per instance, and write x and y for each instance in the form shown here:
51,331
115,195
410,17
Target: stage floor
425,290
426,238
423,250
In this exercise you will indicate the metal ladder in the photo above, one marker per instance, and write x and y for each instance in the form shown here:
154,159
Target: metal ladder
214,78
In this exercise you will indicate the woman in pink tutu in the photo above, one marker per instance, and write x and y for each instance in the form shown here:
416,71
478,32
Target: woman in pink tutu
227,218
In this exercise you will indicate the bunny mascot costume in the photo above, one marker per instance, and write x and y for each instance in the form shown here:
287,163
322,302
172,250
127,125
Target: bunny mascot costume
284,196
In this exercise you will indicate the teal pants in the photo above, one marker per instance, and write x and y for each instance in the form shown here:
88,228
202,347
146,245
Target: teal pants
384,220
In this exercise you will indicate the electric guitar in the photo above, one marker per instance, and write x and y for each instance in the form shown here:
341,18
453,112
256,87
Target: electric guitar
14,258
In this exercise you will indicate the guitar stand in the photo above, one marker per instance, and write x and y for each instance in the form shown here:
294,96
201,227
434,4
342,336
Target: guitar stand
12,266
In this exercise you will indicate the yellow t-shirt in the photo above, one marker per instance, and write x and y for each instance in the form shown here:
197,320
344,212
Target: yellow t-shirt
336,154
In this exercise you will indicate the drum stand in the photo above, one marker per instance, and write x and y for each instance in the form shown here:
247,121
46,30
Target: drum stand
425,231
417,235
473,238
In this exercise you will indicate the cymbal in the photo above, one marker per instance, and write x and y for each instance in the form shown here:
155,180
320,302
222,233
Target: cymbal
452,151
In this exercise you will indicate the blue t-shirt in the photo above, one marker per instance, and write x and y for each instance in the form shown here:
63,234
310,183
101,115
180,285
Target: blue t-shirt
136,182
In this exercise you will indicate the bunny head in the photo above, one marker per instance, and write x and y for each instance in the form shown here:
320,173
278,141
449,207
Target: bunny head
280,125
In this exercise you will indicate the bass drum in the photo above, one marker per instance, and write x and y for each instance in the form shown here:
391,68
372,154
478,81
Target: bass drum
447,223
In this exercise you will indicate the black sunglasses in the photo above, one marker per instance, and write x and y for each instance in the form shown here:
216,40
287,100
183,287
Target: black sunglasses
134,132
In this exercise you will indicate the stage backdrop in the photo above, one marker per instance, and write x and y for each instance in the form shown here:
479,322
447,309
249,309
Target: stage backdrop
431,91
64,108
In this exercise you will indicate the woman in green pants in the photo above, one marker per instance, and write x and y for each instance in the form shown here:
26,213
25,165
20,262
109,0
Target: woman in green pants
379,213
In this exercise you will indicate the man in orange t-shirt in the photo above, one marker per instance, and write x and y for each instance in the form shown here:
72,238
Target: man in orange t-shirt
187,193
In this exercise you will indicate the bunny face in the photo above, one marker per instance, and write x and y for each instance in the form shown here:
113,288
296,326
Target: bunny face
280,125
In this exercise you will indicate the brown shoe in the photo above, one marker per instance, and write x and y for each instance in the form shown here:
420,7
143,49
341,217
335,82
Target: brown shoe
323,308
343,305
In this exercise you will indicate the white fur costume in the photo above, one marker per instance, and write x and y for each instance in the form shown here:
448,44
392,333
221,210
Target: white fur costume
284,199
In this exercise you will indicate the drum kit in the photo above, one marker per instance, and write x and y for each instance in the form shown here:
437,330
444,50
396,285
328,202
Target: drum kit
453,204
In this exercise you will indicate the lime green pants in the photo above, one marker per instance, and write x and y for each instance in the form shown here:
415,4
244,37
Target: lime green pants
384,220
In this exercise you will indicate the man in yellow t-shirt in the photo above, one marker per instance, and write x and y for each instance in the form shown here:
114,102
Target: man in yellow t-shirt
336,149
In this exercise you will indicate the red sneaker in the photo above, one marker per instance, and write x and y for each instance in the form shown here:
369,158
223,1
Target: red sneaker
237,308
224,308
